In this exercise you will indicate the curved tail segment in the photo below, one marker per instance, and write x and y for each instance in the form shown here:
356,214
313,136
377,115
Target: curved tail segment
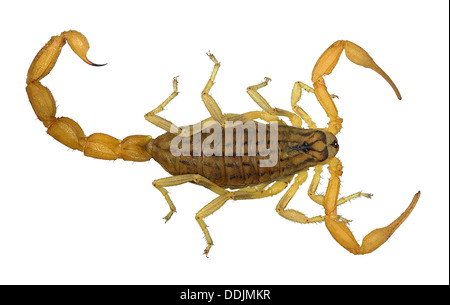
66,130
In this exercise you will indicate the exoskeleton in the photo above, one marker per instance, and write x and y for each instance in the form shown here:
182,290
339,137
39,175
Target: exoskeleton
257,162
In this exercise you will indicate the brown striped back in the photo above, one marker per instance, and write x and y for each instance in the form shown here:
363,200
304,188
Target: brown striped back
297,150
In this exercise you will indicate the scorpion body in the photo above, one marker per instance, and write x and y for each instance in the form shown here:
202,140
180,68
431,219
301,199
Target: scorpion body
228,174
298,149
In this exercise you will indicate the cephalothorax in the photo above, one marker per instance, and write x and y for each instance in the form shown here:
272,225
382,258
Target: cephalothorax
234,167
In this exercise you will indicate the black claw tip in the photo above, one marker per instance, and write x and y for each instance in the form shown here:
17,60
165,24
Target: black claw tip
97,65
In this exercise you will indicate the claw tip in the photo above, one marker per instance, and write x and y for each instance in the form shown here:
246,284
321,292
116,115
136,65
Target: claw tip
98,65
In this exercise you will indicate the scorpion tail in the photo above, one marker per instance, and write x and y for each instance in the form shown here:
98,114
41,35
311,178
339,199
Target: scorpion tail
66,130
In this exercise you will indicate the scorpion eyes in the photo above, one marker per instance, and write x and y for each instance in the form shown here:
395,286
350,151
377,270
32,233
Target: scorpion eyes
335,144
305,147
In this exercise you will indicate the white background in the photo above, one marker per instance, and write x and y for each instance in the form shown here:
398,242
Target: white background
69,219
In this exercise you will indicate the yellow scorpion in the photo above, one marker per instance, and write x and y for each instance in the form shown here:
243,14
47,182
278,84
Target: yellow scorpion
232,173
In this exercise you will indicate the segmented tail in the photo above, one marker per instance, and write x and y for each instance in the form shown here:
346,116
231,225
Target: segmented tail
66,130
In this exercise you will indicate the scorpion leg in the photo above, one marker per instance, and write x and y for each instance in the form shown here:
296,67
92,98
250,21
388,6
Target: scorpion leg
160,184
254,192
208,100
205,212
159,121
325,65
253,115
261,190
295,98
341,232
269,110
319,199
247,193
258,98
294,215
